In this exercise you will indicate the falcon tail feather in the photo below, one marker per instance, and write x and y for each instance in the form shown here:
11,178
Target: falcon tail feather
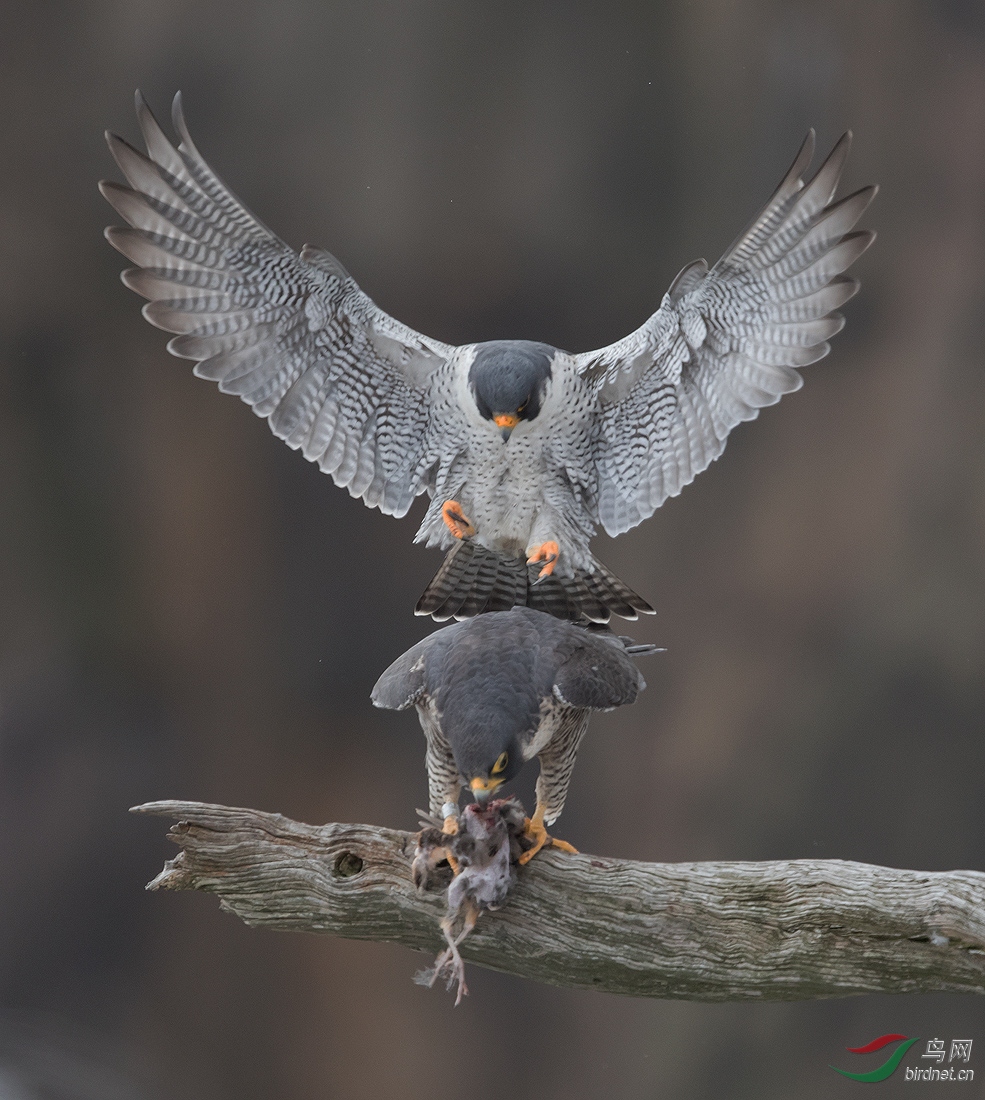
474,579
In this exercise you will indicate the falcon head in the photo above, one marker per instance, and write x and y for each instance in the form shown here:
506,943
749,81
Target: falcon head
486,778
508,379
487,748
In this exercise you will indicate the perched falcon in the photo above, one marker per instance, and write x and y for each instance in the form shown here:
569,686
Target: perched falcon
524,449
495,691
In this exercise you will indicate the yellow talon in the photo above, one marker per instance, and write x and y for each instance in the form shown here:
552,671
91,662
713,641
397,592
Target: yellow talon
563,845
534,829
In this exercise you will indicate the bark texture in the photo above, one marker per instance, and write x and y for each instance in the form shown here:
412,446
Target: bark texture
785,930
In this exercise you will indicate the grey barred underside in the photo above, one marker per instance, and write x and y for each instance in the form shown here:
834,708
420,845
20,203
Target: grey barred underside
557,758
444,781
557,761
473,579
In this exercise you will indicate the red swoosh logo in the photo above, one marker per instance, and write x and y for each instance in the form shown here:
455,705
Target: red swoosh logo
876,1044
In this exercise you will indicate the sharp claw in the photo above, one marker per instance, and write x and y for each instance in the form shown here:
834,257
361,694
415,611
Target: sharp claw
547,553
546,572
456,521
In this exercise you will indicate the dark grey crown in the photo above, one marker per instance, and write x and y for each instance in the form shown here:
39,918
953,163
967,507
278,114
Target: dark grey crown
508,377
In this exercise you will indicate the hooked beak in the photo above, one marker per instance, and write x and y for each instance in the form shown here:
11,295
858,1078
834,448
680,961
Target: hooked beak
483,789
506,424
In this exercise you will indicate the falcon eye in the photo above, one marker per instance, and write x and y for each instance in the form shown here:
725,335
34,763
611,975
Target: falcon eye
523,406
500,765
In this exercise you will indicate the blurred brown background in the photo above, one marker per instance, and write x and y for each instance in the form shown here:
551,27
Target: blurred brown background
190,610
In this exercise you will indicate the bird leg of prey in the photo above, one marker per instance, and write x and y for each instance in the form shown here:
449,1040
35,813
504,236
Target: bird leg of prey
449,964
534,830
547,552
454,517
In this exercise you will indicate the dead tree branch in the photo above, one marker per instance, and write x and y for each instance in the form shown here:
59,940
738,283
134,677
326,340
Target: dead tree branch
787,930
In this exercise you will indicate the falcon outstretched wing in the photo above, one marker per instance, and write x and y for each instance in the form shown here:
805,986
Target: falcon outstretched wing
724,342
293,335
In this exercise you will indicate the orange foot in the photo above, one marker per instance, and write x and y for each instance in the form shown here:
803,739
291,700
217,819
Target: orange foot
547,552
452,514
534,828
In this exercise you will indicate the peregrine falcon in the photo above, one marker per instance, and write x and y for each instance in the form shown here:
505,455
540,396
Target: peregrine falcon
495,691
523,448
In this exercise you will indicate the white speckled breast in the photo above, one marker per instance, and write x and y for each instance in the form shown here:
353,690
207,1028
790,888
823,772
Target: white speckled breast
521,492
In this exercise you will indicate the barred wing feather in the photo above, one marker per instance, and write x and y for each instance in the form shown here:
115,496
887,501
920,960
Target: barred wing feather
725,342
291,334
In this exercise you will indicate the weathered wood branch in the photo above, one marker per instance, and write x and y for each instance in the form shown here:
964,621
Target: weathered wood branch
787,930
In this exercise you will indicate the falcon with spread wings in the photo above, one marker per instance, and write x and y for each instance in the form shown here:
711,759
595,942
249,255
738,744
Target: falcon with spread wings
524,449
